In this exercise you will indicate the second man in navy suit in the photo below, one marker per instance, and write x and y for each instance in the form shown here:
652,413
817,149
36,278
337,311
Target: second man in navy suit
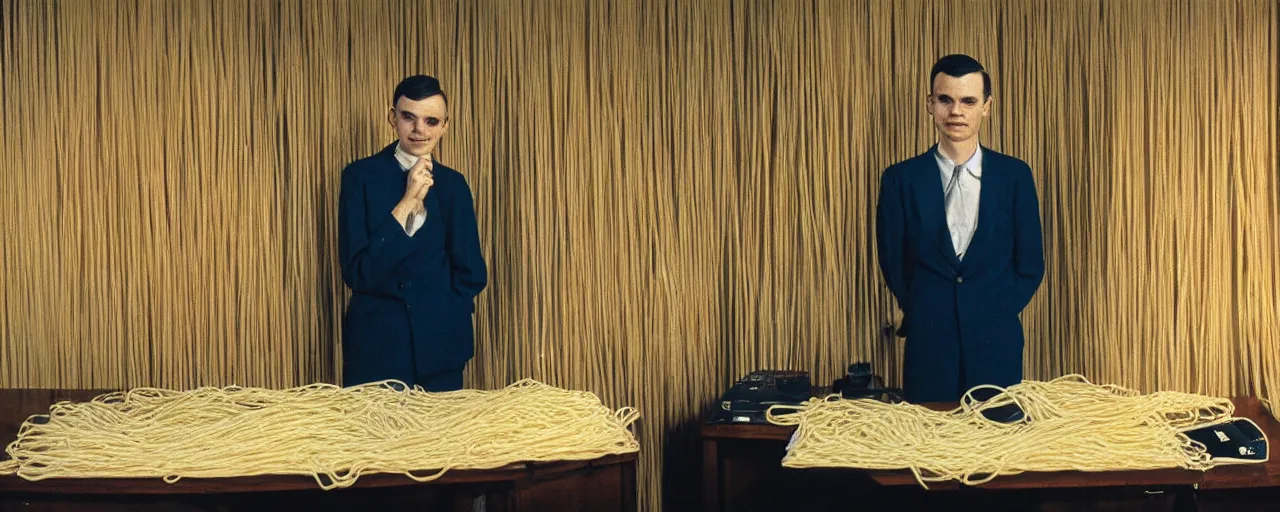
959,243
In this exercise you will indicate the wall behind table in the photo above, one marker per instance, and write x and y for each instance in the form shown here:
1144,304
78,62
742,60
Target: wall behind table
670,194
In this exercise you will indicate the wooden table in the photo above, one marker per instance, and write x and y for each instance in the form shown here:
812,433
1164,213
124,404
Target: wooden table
739,460
607,483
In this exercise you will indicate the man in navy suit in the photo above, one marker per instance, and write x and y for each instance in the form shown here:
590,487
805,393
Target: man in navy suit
959,243
410,251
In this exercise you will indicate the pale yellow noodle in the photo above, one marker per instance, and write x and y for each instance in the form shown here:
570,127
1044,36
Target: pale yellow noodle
331,433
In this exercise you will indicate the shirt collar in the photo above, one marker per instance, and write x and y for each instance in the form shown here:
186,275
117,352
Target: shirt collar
973,166
406,160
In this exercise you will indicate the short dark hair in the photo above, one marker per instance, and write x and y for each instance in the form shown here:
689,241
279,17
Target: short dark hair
418,88
959,65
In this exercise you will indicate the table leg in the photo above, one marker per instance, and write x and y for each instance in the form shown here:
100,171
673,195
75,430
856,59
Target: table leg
710,476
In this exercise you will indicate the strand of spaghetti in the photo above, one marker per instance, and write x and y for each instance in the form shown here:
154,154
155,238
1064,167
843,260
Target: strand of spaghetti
333,434
1069,424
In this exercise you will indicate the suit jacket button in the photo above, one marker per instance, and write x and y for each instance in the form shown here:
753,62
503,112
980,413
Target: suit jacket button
959,279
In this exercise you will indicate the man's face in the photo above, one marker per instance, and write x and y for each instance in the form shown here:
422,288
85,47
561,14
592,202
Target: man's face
958,106
419,123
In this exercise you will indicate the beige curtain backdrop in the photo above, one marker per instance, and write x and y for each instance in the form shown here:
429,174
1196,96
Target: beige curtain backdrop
670,193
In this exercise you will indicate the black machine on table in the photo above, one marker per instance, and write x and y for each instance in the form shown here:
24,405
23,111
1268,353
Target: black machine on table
748,400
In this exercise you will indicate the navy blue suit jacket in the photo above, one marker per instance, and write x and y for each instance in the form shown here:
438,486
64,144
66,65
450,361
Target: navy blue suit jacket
960,318
412,297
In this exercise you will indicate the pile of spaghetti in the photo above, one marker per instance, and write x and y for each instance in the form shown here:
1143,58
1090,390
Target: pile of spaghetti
1069,424
333,434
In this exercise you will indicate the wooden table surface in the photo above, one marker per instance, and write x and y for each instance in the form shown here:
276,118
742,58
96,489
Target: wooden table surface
1222,477
16,405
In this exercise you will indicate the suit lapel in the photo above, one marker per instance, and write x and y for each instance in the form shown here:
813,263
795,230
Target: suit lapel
387,163
388,180
992,184
395,179
929,200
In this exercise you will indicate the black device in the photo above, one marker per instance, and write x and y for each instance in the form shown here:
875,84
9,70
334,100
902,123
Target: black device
1239,440
859,382
750,398
1007,413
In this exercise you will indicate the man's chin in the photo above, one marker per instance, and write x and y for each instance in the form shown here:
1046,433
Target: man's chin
956,136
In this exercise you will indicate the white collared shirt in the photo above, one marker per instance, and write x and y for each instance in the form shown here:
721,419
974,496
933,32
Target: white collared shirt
407,161
962,219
